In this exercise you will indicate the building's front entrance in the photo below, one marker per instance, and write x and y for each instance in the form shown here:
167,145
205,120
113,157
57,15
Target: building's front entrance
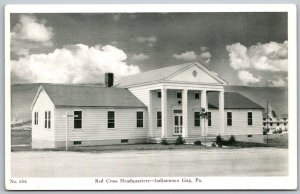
177,122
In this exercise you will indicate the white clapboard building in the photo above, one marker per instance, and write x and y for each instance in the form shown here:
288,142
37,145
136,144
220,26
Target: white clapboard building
161,103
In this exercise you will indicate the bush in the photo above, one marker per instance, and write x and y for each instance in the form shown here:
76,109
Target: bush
266,130
164,141
219,139
213,145
180,140
220,145
280,131
231,139
198,142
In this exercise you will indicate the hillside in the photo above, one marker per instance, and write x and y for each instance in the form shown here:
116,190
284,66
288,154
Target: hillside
23,95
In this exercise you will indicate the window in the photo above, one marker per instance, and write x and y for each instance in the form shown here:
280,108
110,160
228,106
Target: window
197,96
76,142
124,140
36,118
139,119
178,94
158,94
209,118
265,124
284,124
249,136
158,116
229,118
271,124
46,118
111,119
77,119
249,118
49,119
197,119
278,124
265,119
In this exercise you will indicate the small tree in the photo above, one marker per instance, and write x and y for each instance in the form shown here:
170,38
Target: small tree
204,116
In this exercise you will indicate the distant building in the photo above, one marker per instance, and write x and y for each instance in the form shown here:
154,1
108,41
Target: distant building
275,122
162,103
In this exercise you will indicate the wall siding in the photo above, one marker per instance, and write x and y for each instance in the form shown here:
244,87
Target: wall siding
43,103
240,122
94,125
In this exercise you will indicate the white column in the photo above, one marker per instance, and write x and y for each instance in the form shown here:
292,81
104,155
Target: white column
164,113
221,112
203,105
185,113
150,112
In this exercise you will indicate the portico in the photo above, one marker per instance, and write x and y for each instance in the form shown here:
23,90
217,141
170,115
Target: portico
177,106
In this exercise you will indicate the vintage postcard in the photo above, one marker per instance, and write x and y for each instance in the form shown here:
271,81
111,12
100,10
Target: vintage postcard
150,97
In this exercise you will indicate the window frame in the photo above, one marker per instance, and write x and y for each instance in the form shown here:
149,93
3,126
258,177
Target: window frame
250,119
49,119
209,123
36,118
139,121
197,118
75,120
111,120
229,118
158,120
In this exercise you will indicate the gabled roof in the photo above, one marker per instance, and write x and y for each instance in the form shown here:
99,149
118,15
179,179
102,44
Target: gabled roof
90,96
161,74
232,100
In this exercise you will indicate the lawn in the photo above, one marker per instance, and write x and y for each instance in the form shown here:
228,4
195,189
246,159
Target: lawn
152,163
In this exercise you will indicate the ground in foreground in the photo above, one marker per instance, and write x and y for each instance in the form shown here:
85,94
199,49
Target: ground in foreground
157,163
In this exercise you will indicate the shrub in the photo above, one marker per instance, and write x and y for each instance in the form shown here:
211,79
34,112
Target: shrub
164,141
219,139
198,142
179,140
231,139
280,131
213,145
220,145
266,130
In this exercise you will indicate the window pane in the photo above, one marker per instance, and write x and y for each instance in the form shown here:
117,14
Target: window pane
158,94
197,95
178,95
249,115
176,120
77,115
197,119
111,115
139,118
111,125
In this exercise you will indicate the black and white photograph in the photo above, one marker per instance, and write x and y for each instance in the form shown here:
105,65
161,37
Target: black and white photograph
143,97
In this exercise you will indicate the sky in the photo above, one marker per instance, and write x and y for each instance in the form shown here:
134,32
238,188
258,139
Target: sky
243,48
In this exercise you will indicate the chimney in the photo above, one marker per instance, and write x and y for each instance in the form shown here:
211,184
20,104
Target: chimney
109,79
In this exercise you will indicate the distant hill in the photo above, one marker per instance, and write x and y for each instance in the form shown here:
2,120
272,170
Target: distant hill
277,96
22,96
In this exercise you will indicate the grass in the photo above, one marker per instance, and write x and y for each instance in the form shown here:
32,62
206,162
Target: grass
23,137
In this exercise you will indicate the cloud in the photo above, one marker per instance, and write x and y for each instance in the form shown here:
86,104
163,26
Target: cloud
278,82
139,57
270,56
73,64
187,56
238,56
149,40
203,56
30,33
247,77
